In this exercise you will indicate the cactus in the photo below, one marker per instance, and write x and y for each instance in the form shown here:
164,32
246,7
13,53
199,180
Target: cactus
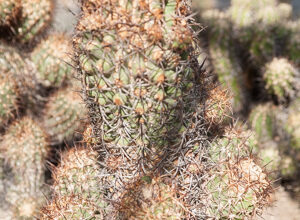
76,187
237,187
9,10
225,65
25,149
218,111
137,78
262,121
35,17
8,98
282,78
64,115
151,198
14,66
51,58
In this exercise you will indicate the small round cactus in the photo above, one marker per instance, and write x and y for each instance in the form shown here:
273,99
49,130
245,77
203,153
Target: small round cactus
9,10
151,198
76,187
282,78
8,98
25,146
64,115
35,17
219,107
237,187
51,58
262,121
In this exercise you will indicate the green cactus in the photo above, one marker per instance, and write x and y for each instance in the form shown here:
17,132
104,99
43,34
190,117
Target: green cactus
76,187
64,115
237,187
262,121
35,17
8,98
51,58
136,78
151,198
288,167
25,149
9,10
281,78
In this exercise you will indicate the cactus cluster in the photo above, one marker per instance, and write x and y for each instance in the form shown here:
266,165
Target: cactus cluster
263,38
160,139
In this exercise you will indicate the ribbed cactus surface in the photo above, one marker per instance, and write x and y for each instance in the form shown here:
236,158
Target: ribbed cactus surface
64,115
52,59
35,17
76,187
137,76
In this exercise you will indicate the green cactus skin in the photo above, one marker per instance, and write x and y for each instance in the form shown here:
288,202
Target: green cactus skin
224,62
262,121
9,10
51,58
151,198
25,149
281,78
237,187
76,187
137,79
64,115
36,16
8,99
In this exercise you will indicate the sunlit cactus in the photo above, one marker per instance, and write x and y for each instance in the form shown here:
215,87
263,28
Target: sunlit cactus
282,78
76,187
139,77
218,110
237,187
35,17
52,58
293,48
64,115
